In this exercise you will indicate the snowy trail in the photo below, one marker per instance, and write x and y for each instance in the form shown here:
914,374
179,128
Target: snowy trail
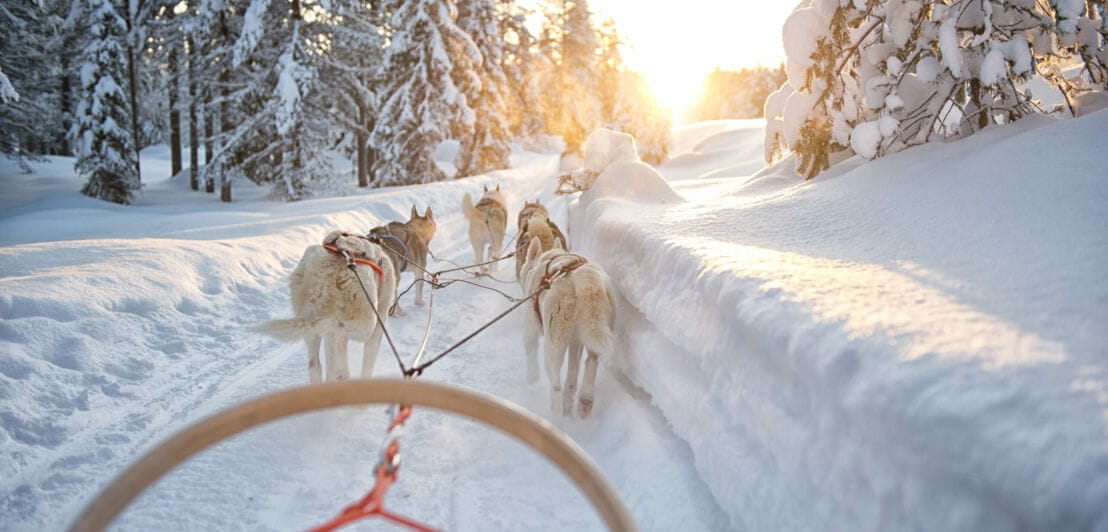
299,472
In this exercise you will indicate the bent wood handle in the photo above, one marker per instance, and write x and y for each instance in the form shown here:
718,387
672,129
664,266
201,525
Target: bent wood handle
530,429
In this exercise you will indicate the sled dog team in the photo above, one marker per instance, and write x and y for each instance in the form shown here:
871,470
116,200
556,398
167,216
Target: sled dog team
345,289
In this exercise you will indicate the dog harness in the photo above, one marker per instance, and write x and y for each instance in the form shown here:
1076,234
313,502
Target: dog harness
379,238
359,258
549,276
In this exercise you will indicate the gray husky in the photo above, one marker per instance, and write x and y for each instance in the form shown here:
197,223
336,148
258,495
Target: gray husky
407,244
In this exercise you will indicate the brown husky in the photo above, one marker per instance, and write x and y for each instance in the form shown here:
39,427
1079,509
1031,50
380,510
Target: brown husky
488,220
534,222
406,244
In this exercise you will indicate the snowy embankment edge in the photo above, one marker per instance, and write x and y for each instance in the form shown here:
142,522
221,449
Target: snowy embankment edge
795,424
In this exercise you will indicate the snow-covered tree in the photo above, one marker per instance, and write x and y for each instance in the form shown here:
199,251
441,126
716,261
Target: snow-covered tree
350,75
267,131
626,103
421,102
736,93
523,69
609,66
636,111
105,153
38,41
572,105
871,77
486,145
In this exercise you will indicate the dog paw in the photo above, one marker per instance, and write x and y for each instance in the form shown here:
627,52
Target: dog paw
584,407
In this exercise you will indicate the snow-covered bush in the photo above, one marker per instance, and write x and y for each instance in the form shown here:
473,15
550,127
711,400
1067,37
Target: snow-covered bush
871,77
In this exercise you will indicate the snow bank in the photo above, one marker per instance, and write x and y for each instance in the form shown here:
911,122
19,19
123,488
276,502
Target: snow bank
918,340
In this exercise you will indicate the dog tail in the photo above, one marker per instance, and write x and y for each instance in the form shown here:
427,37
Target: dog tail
469,210
287,330
597,330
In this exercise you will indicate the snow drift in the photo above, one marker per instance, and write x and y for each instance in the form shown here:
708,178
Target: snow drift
915,340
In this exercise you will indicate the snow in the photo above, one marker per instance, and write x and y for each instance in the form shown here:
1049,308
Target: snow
993,67
7,91
800,34
949,46
866,139
911,342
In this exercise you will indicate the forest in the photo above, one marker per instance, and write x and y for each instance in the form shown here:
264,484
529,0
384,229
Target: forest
268,90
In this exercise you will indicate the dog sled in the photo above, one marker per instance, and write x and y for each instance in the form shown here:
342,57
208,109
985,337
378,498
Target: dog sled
524,426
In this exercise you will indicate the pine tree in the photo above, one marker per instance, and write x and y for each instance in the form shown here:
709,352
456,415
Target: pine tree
627,103
421,102
736,93
350,73
874,77
106,153
487,145
37,43
572,107
636,112
523,69
267,131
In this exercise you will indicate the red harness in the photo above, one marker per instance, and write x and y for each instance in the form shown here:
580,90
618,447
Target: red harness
548,276
359,260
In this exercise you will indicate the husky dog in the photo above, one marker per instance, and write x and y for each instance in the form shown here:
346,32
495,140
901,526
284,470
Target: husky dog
406,244
534,222
488,220
575,307
329,304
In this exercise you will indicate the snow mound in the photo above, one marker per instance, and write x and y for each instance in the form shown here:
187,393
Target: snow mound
726,148
605,147
634,181
602,148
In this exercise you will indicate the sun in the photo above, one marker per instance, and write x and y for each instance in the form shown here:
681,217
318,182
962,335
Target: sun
674,89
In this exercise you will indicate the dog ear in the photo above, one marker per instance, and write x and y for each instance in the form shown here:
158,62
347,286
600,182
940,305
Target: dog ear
427,213
415,213
484,188
498,187
534,249
332,237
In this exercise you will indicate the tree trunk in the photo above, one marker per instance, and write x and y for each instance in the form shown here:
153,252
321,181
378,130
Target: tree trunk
209,149
194,132
66,107
361,141
370,151
133,78
363,176
174,117
224,108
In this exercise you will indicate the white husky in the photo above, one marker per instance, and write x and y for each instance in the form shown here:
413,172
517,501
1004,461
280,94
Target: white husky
329,304
576,310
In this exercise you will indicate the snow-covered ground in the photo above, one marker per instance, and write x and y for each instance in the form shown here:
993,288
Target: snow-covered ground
917,342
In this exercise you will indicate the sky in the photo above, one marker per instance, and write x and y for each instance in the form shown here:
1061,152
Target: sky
848,353
675,43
